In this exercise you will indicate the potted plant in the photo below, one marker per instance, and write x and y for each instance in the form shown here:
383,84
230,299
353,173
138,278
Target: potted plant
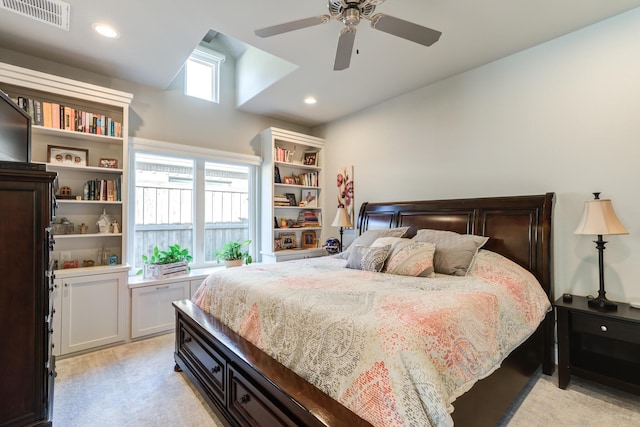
162,264
233,255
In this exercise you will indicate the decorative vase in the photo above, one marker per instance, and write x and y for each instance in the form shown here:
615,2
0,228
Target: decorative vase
228,263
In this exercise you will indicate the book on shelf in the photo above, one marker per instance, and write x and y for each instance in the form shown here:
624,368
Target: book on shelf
38,117
47,115
55,115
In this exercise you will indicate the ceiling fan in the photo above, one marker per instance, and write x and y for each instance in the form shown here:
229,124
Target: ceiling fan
350,12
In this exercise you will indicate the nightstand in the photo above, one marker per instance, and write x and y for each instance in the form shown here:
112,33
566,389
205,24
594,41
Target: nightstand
600,346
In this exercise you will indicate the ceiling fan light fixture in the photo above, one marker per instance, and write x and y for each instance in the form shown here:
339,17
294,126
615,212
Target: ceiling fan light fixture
350,13
105,30
351,17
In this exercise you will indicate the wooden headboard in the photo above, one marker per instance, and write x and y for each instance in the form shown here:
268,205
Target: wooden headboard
518,227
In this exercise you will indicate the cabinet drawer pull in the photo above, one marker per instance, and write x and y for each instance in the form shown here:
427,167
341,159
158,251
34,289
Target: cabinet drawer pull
244,399
162,287
187,339
603,328
215,369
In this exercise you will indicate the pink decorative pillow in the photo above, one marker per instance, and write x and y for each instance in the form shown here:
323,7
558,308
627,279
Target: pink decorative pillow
410,258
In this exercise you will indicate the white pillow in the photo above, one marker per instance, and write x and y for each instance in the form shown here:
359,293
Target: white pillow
454,252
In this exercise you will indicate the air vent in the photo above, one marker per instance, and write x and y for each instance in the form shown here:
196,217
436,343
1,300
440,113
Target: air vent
52,12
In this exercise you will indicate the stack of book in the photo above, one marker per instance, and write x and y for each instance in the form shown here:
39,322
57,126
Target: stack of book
308,219
280,200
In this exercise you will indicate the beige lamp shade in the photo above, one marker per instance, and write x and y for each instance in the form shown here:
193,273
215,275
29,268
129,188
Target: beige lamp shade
599,218
342,219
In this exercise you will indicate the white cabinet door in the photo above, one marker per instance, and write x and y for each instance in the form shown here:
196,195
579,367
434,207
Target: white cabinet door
92,310
151,310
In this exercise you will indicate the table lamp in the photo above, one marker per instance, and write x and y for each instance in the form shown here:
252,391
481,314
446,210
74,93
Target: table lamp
599,218
343,221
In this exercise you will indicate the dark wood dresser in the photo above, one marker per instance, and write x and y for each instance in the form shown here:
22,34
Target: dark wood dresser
26,363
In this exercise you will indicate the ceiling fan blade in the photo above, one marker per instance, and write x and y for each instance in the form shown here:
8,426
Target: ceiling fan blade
345,47
293,25
405,29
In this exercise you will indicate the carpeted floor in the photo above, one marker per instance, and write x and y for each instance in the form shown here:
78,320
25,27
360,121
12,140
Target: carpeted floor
135,385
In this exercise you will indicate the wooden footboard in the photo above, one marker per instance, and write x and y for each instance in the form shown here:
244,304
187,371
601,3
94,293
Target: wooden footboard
242,384
246,387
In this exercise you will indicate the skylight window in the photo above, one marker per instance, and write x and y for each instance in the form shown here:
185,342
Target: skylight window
202,74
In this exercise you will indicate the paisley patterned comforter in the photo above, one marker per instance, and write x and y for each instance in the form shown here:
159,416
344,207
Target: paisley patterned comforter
396,350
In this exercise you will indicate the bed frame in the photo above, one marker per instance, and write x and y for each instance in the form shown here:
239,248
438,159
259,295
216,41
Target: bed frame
246,387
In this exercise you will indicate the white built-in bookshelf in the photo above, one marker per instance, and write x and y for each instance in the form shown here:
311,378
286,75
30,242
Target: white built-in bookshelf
292,195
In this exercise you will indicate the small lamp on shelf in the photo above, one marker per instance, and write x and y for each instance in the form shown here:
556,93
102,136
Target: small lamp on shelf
599,218
343,221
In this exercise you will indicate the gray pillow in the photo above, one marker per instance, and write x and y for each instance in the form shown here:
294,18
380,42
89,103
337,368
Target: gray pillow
369,259
454,252
370,236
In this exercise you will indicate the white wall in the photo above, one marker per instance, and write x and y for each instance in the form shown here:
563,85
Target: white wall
563,116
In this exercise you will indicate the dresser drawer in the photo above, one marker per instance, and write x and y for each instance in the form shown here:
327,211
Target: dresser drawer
205,360
248,404
605,327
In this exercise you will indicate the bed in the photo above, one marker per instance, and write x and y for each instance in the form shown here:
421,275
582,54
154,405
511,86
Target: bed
245,385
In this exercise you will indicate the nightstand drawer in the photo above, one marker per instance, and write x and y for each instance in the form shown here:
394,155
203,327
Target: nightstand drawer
605,327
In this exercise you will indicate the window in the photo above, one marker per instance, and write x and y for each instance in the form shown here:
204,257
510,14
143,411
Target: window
226,206
199,201
202,74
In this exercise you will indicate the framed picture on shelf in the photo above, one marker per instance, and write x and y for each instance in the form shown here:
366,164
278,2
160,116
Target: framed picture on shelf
308,239
288,240
310,197
292,199
108,163
277,244
67,156
310,158
291,180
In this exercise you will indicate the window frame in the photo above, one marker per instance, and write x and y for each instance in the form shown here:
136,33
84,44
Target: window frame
211,58
200,156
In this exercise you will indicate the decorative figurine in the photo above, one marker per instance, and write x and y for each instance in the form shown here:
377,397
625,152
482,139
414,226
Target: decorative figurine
83,228
103,222
116,226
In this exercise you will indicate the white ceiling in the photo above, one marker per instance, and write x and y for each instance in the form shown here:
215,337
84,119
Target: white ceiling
157,36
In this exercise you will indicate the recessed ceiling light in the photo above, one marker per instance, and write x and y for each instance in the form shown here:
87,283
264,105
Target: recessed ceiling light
105,30
310,100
